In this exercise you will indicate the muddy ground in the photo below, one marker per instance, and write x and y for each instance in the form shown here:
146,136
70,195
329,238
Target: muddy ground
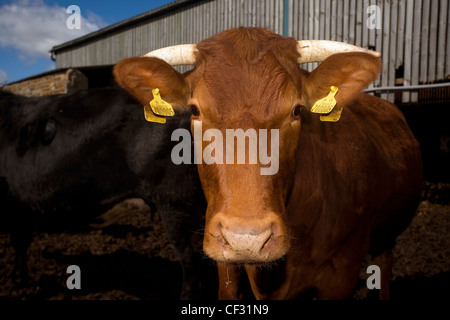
127,256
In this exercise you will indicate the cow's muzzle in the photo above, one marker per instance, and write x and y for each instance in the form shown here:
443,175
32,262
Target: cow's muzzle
244,240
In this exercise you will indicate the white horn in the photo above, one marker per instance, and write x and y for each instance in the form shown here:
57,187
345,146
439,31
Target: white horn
319,50
182,54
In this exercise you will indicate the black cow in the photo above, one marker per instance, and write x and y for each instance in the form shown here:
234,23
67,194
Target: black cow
74,156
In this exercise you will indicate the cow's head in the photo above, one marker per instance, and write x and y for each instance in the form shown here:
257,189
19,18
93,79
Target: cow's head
249,78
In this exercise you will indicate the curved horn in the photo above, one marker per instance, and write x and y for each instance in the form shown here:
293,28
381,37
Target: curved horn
182,54
319,50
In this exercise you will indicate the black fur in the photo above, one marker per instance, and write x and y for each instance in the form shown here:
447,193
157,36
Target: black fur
70,157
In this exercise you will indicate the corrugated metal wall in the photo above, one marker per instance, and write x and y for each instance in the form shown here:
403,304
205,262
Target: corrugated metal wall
412,35
189,24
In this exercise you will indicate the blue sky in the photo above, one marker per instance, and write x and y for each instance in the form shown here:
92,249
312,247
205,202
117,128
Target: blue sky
30,28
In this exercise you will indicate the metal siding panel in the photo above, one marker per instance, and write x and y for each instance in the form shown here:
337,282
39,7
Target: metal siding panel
145,41
311,19
60,60
378,40
137,42
364,30
99,52
212,18
400,39
78,57
392,36
359,23
385,47
239,12
294,18
433,48
84,55
372,32
250,13
290,18
316,22
143,45
328,18
91,55
345,20
280,15
106,48
270,17
72,60
424,41
322,21
304,13
340,21
232,13
443,21
333,18
151,40
407,66
229,14
447,50
416,47
352,22
129,43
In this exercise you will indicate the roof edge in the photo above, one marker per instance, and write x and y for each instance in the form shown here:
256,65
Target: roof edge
124,23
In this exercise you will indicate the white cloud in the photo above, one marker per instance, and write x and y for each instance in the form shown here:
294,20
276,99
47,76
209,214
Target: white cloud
33,27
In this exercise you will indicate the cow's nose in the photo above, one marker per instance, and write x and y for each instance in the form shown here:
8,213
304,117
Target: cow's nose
245,240
246,244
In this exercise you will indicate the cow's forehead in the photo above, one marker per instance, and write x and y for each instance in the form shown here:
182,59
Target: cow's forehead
250,79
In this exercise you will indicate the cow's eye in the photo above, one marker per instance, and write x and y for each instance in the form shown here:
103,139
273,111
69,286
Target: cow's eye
296,111
195,111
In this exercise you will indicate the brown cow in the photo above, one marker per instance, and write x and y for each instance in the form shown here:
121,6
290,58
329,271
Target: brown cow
343,188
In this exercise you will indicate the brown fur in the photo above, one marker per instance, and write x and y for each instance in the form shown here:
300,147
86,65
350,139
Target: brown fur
342,188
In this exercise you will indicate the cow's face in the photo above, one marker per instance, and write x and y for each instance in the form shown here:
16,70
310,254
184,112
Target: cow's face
247,81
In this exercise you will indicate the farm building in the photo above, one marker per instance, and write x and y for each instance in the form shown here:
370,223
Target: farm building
413,37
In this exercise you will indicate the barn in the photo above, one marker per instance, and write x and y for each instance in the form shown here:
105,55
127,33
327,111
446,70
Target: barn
413,37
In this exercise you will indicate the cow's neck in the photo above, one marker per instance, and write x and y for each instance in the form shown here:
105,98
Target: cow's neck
266,281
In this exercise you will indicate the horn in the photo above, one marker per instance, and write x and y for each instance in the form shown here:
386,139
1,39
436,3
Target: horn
319,50
309,50
182,54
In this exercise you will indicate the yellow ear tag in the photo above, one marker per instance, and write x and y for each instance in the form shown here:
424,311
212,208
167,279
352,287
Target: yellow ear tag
334,115
325,105
159,106
151,117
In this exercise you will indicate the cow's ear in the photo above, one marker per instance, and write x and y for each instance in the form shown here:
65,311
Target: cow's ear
349,72
140,75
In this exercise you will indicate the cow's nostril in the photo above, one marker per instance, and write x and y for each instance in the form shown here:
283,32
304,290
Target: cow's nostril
267,243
